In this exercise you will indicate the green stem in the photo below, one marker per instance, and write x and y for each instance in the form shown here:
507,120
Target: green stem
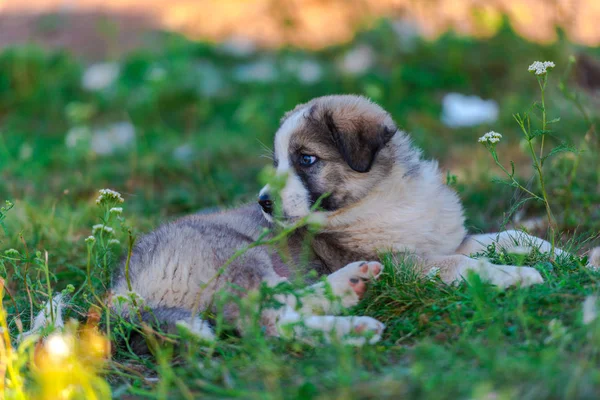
514,181
543,89
538,164
49,287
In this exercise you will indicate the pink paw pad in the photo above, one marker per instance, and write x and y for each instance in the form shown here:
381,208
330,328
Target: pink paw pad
367,271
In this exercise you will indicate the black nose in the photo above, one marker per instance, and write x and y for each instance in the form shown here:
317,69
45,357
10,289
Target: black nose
265,202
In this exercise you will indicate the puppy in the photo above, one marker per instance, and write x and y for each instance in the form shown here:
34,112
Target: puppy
376,195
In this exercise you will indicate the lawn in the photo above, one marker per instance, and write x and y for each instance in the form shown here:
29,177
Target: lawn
185,126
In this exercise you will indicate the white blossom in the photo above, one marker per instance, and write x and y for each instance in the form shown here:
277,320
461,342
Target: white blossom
156,74
540,67
459,110
238,46
358,60
114,241
100,76
90,239
263,71
112,138
590,309
116,210
109,195
490,137
101,227
76,135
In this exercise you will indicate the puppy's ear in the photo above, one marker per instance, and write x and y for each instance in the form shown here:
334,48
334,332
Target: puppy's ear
360,145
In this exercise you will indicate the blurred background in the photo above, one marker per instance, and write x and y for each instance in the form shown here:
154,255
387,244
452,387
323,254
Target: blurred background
174,104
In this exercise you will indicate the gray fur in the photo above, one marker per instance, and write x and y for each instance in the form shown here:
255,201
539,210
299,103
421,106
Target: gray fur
389,199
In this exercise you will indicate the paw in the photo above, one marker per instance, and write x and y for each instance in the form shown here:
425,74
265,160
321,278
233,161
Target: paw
354,331
197,328
353,278
505,276
364,330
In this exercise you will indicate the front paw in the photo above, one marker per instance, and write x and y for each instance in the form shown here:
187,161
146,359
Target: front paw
505,276
350,282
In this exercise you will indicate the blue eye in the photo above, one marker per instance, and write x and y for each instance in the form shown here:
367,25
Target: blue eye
306,160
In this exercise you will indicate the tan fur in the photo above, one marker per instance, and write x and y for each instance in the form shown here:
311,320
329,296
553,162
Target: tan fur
382,197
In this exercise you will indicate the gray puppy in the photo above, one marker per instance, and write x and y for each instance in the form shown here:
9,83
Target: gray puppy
381,196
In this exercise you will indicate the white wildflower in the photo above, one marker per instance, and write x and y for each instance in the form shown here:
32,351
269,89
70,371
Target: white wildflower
309,71
210,78
77,134
25,152
490,137
114,241
113,138
184,153
358,60
101,227
460,110
90,239
116,210
100,76
109,195
590,309
262,71
540,68
306,71
156,74
239,46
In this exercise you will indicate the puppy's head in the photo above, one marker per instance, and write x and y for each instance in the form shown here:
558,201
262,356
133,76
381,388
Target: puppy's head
333,148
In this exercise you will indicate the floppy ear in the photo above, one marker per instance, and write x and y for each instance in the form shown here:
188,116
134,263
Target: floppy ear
360,146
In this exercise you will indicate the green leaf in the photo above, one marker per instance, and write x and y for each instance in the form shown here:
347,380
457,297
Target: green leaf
539,132
561,148
553,121
507,182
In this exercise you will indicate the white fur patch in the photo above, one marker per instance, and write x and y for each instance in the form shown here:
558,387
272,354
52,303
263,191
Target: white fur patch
504,276
353,331
294,196
199,328
594,259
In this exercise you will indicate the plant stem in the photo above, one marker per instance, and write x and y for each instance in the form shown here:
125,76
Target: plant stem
538,164
47,272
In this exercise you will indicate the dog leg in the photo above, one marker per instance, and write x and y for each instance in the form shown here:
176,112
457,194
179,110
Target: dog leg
348,285
456,267
172,317
510,240
355,331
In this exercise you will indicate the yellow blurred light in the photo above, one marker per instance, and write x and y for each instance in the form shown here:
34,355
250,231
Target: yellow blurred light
58,346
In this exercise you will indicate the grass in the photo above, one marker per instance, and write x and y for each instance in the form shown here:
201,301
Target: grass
196,148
